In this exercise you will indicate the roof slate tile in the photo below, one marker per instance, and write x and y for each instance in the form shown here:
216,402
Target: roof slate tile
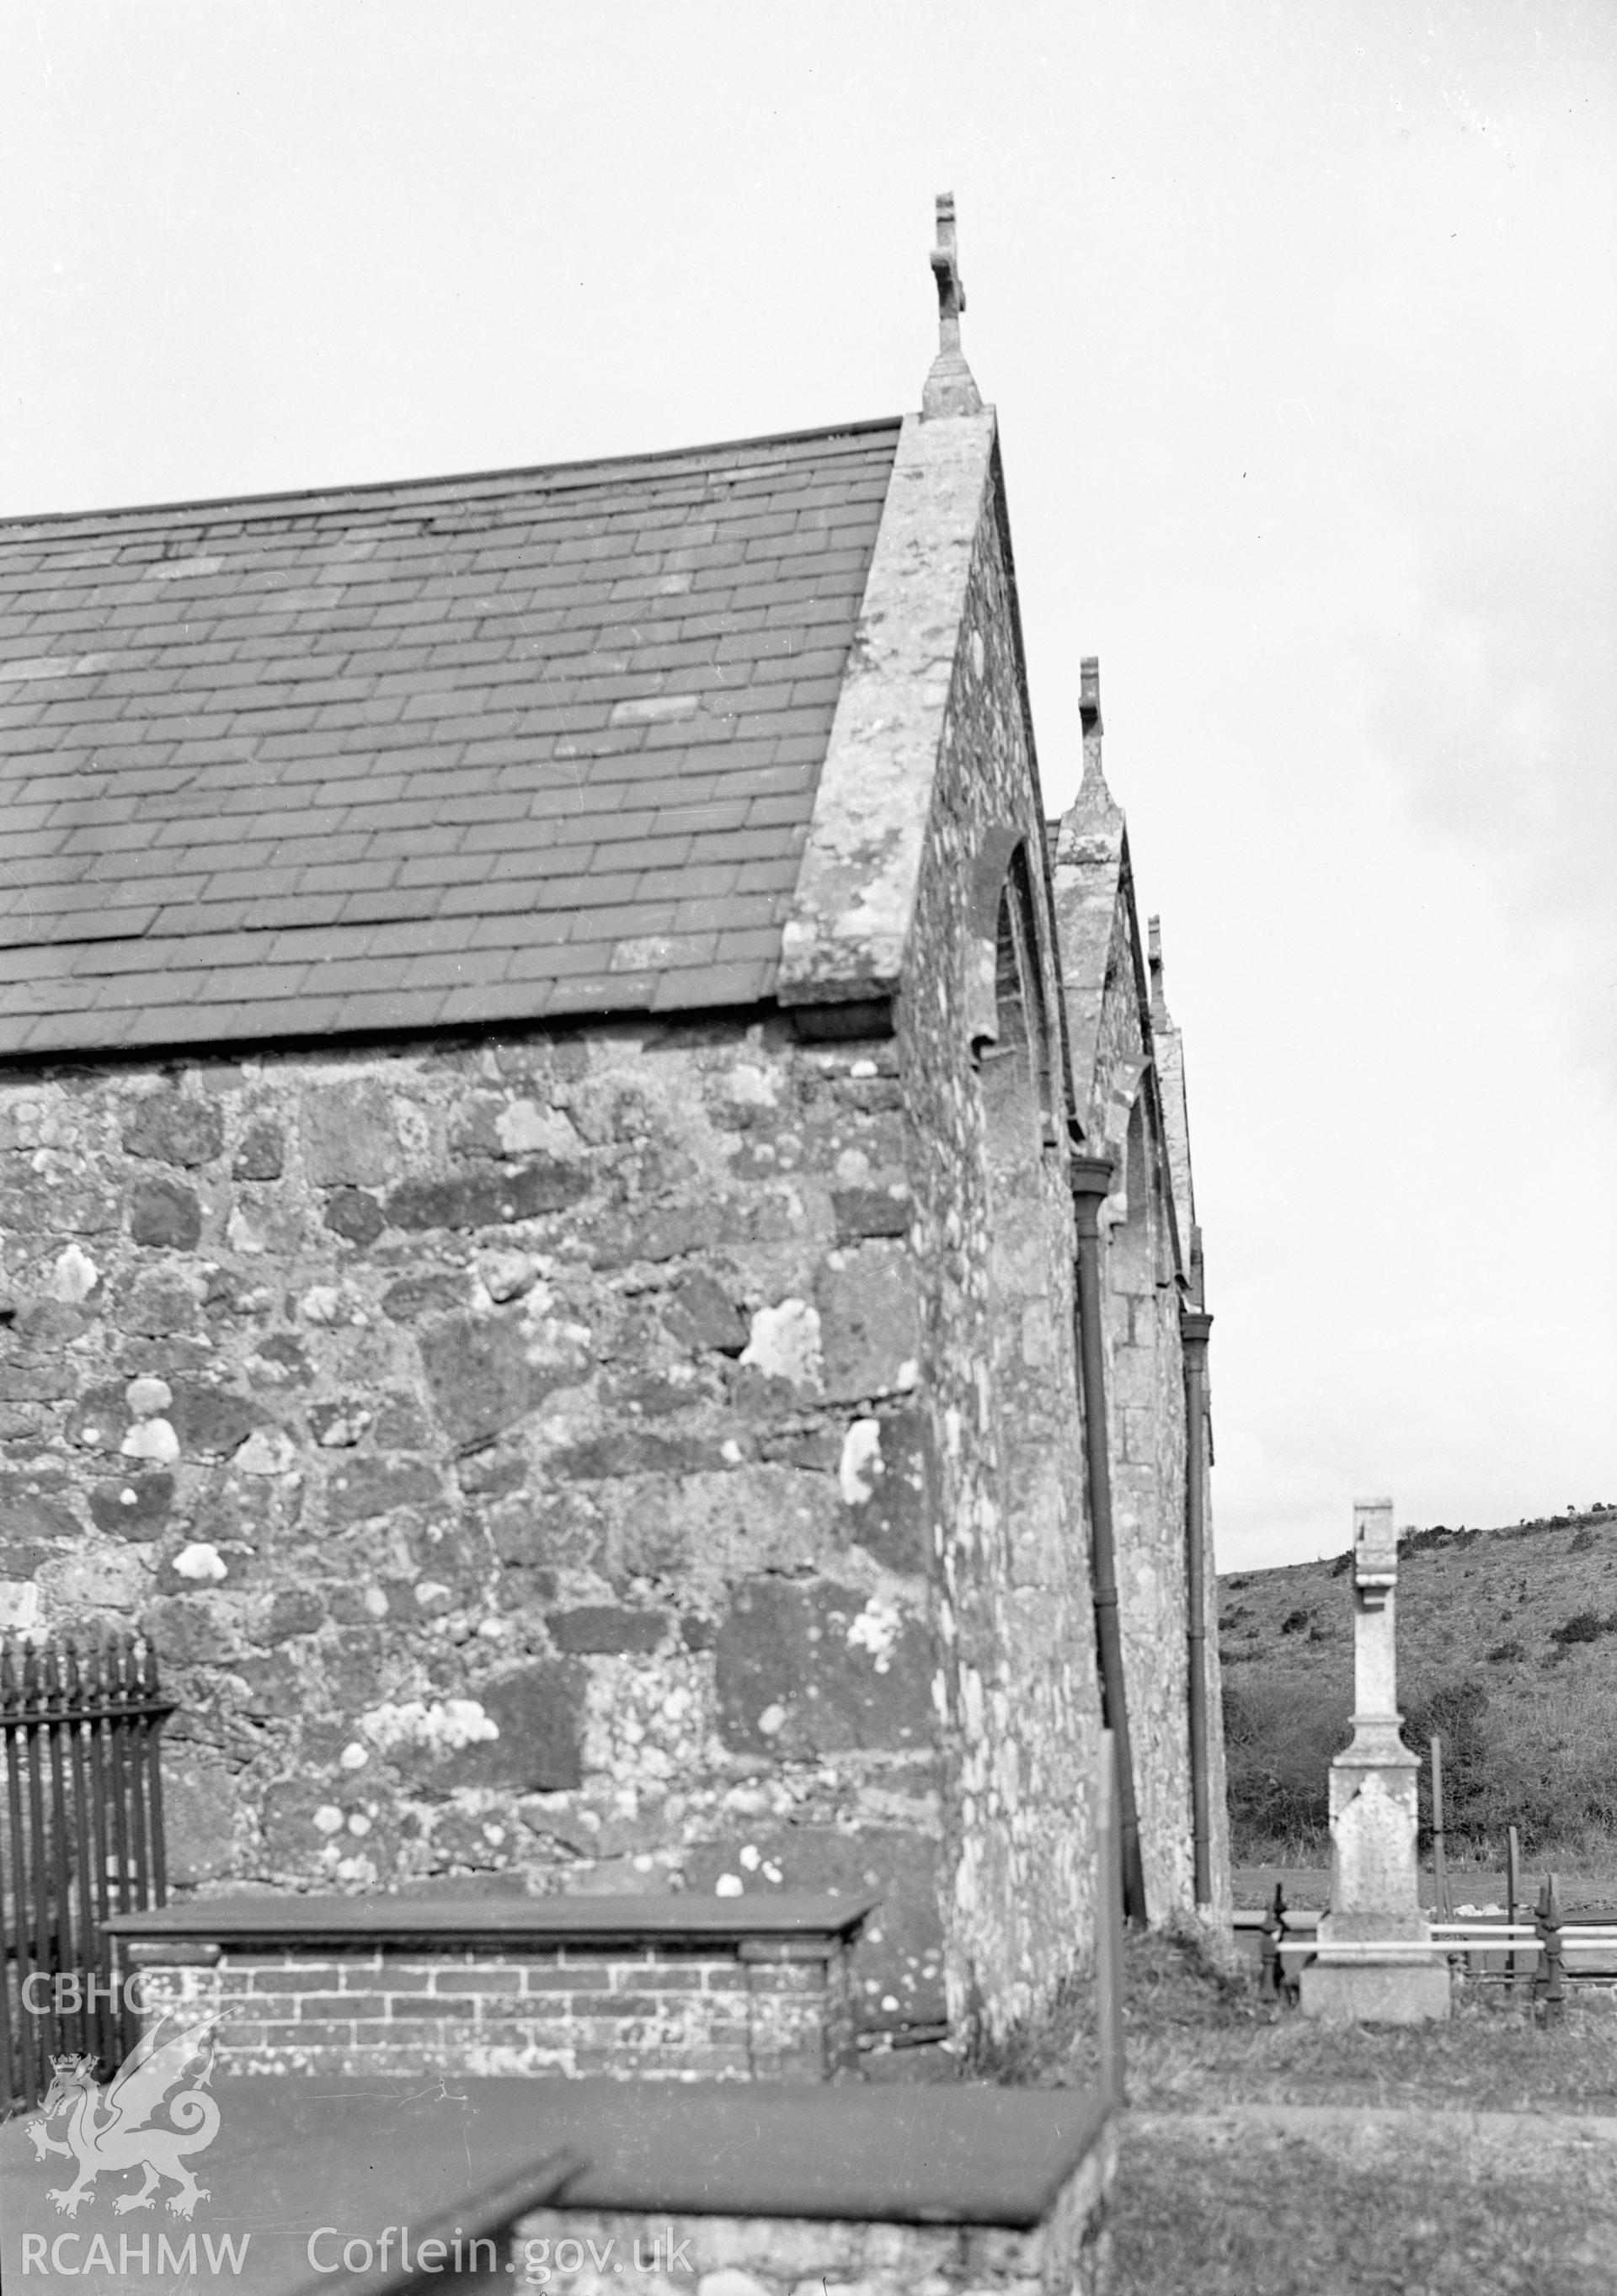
528,744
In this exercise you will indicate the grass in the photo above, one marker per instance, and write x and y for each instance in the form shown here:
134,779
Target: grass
1265,2152
1199,2036
1238,2210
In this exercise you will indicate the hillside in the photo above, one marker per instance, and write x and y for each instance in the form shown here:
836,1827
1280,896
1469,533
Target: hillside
1508,1645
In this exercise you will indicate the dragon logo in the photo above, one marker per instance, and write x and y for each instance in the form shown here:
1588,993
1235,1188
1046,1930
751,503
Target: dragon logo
109,2124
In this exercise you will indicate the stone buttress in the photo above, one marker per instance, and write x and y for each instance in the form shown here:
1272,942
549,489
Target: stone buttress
1128,1075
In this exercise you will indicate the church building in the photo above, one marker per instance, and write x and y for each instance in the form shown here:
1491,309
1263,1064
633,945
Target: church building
597,1233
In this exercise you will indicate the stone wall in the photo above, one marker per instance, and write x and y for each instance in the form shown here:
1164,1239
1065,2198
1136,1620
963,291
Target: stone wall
764,2009
1217,1769
512,1449
1147,1280
1067,2255
1146,1400
1017,1686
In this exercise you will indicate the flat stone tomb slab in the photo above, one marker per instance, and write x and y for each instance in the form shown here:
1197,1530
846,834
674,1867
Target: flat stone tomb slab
972,2186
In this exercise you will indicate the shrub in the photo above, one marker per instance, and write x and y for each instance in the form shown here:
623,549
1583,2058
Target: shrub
1293,1621
1582,1627
1423,1542
1279,1738
1502,1652
1559,1792
1453,1711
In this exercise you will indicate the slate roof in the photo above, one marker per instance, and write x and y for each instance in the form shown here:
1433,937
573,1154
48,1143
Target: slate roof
438,753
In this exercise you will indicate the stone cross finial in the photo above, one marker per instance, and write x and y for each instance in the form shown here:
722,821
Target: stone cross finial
1095,815
1089,718
1154,965
946,270
949,388
1090,696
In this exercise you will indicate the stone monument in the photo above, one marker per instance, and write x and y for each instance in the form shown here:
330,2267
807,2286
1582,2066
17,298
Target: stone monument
1370,1967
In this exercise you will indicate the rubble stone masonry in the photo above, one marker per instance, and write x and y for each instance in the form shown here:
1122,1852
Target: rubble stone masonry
512,1449
1017,1682
1067,2255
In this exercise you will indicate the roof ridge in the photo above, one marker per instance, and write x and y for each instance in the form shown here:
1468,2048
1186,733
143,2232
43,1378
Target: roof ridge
613,465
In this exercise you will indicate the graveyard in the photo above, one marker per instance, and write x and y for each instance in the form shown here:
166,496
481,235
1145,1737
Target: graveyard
1483,2117
614,1673
1226,2098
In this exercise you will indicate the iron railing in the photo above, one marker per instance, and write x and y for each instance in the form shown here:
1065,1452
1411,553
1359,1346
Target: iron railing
81,1837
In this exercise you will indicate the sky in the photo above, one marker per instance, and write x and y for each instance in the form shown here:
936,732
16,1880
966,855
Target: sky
1298,319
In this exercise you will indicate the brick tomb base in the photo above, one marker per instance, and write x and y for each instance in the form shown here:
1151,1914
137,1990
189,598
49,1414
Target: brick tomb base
738,1989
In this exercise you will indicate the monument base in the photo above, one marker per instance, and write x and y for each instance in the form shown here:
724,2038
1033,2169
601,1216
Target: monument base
1365,1992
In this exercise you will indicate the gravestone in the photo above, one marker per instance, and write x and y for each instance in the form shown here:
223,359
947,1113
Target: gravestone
1370,1967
